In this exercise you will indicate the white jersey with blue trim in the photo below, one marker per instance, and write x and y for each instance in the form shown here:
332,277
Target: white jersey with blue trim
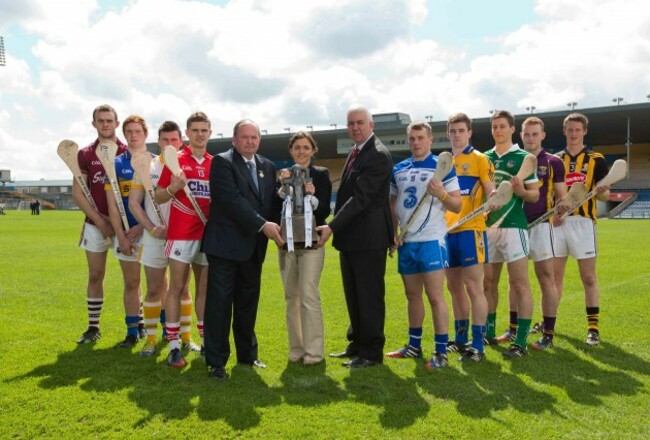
409,183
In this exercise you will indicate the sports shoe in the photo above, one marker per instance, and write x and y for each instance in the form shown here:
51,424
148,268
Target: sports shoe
544,343
438,360
489,341
175,359
190,346
456,347
508,336
90,335
538,327
515,351
406,352
593,338
148,350
472,355
129,342
142,332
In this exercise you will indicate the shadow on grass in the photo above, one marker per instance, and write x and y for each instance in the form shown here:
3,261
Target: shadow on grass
480,389
584,382
309,386
612,355
379,386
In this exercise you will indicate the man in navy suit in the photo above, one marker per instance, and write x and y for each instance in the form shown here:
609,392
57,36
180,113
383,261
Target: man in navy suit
242,189
363,232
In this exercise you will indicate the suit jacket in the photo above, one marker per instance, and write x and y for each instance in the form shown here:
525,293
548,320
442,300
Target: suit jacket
323,186
237,209
362,219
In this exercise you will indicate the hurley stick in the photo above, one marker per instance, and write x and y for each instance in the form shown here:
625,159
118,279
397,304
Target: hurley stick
171,161
141,163
67,150
576,193
502,196
106,154
528,167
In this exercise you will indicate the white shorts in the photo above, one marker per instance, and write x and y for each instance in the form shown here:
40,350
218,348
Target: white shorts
186,251
507,244
541,242
92,239
153,254
576,237
135,256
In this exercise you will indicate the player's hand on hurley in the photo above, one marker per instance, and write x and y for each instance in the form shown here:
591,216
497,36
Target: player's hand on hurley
557,220
517,186
159,232
492,205
310,188
435,188
134,233
178,181
124,245
105,227
272,231
324,233
602,188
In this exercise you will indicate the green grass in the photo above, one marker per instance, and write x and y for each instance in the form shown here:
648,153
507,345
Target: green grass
52,388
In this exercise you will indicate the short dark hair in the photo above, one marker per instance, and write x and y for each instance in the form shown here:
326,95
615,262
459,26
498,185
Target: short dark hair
198,117
169,126
496,114
458,118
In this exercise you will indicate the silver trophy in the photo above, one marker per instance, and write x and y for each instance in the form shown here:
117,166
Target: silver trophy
294,216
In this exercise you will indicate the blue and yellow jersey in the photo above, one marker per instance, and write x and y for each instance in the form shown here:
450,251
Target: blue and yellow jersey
473,168
124,173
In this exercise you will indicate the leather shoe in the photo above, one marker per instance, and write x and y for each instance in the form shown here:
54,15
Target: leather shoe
218,372
360,363
343,354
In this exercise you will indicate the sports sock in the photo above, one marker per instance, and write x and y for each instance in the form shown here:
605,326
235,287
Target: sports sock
491,331
461,327
132,325
415,337
141,313
513,322
522,334
593,314
163,321
173,329
151,315
186,320
94,306
549,326
441,343
477,336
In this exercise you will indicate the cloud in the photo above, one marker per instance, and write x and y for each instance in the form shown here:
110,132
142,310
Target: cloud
292,64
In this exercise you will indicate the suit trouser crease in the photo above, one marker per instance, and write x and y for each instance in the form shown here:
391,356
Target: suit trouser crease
363,281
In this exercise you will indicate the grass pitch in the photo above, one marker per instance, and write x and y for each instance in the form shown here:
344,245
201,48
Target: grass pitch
52,388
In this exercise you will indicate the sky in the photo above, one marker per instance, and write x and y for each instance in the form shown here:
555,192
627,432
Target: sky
286,63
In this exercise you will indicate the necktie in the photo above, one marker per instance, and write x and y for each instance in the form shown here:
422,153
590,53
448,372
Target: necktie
353,156
252,169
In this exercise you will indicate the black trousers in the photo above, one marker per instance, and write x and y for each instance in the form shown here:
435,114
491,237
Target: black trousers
233,295
363,281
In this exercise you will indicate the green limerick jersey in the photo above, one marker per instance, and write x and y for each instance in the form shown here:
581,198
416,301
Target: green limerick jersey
505,167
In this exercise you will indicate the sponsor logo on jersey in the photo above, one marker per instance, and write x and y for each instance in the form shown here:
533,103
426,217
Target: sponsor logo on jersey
186,168
572,178
465,191
424,177
177,252
98,177
95,162
403,179
199,188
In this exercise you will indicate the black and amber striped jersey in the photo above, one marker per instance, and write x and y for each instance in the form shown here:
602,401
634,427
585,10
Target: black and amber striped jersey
589,167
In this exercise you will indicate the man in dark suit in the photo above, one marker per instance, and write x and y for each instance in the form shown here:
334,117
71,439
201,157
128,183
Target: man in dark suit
362,229
242,189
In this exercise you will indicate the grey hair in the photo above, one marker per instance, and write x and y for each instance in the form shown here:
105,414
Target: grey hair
360,109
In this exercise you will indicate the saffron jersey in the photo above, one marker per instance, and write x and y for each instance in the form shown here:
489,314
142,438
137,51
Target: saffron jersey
511,215
550,171
124,173
95,175
473,169
184,222
408,183
588,167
